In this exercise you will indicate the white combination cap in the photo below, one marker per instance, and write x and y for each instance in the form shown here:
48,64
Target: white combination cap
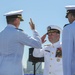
13,13
70,7
52,27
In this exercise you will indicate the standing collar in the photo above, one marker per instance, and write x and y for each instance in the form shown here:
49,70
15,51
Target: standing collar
10,25
56,44
73,22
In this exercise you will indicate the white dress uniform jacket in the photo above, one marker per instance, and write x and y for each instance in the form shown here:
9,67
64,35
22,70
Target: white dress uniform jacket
68,46
53,64
12,43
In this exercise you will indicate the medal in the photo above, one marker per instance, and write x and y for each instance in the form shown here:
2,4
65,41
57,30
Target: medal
58,52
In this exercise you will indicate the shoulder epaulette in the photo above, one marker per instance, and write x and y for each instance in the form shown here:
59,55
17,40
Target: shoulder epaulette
19,29
66,25
48,45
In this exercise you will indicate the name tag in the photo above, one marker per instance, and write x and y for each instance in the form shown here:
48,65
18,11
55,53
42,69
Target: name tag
47,51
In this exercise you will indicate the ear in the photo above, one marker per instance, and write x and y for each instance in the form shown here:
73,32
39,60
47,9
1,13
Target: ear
16,19
72,16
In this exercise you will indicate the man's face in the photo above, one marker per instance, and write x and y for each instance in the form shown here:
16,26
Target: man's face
70,17
53,37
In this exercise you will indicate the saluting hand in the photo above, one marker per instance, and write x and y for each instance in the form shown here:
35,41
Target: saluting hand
43,38
32,24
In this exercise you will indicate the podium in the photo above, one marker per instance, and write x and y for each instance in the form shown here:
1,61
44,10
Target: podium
33,59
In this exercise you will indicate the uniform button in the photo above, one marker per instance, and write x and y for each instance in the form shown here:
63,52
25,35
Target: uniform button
53,46
52,52
49,72
50,65
51,59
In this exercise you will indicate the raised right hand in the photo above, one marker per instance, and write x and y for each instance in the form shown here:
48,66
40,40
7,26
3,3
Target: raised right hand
32,25
43,38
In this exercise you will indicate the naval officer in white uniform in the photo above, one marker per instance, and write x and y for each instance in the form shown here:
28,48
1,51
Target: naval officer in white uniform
12,41
68,42
52,53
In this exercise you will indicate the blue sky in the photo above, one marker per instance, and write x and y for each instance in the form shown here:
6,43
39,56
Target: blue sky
42,12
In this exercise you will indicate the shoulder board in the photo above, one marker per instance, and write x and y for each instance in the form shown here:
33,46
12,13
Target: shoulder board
48,45
66,25
19,29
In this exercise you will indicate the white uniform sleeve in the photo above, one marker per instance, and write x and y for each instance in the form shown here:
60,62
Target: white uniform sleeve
67,50
34,42
38,52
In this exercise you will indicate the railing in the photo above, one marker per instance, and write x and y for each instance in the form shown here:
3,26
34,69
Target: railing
33,74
